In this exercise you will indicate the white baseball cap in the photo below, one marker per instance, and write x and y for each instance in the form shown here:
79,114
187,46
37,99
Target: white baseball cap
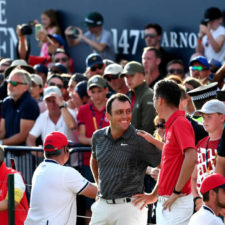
36,79
213,106
113,69
51,89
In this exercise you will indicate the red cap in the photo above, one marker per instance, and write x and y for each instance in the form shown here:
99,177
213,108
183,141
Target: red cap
211,182
57,140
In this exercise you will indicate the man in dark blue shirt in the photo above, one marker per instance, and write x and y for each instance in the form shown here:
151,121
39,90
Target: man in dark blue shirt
19,109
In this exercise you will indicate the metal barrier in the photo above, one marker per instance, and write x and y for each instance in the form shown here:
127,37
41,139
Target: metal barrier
25,159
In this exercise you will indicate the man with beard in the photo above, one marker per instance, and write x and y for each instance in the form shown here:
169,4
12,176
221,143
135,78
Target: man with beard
118,162
213,191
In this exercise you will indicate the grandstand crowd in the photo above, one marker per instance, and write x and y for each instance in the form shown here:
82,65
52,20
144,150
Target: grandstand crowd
155,128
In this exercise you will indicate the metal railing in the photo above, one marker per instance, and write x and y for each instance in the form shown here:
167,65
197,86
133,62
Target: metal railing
25,159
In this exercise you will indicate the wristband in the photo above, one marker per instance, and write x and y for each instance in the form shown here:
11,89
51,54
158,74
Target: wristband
176,192
22,40
196,198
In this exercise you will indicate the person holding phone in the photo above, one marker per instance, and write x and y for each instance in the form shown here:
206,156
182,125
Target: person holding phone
211,36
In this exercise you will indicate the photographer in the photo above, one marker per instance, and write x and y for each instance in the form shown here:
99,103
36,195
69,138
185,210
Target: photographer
53,42
24,44
99,39
211,36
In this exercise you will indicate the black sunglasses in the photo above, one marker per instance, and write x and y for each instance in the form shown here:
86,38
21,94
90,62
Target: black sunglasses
60,86
114,77
15,83
160,125
99,66
64,59
150,35
175,71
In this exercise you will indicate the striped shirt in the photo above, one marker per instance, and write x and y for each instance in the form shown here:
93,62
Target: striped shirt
122,163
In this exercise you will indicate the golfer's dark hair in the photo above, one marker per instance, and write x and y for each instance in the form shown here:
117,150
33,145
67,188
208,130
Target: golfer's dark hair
120,97
169,91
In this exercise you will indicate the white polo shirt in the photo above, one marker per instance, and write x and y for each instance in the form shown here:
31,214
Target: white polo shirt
205,216
208,49
44,125
53,194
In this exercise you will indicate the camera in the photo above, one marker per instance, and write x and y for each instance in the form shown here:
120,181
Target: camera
74,32
26,29
203,22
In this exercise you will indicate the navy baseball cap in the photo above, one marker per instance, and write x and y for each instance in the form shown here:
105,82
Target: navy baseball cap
200,59
81,89
58,38
58,68
41,68
78,77
93,59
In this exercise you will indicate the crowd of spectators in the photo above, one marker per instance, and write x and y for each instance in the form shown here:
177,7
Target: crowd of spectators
42,94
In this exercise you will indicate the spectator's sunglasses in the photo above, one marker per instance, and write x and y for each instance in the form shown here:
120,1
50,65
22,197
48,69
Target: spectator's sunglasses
175,71
160,125
114,77
64,59
150,35
15,83
197,68
98,66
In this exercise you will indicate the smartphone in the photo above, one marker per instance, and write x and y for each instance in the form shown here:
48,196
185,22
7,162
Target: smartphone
37,29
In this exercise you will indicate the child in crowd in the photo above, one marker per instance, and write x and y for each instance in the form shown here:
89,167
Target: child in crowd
213,113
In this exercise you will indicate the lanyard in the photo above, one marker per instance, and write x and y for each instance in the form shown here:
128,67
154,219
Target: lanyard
206,157
94,118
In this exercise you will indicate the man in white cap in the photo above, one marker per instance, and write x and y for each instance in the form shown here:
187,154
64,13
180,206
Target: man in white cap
213,113
57,117
112,75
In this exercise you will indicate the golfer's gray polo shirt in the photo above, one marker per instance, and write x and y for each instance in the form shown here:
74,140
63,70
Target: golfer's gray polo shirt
122,163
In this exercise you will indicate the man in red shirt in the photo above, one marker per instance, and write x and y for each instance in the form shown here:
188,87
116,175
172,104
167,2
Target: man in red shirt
91,117
173,190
